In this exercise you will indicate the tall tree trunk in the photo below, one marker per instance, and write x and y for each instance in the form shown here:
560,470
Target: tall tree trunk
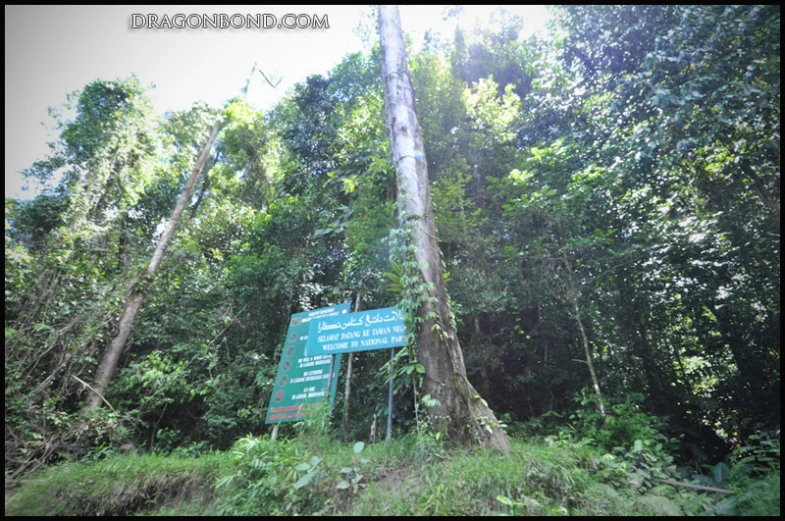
478,341
348,387
573,295
141,282
460,411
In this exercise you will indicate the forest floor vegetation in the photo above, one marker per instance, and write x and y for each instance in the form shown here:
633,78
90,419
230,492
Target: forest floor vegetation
413,475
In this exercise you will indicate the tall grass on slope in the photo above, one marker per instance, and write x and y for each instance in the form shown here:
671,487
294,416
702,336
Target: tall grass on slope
119,485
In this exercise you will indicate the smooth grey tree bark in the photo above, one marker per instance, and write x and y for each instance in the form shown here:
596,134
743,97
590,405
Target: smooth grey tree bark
460,411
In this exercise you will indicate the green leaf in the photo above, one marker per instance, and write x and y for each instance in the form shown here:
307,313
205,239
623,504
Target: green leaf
302,466
721,472
343,485
504,500
303,481
638,446
724,507
358,447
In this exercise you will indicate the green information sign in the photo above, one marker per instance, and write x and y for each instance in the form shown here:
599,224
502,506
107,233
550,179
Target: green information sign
302,381
375,329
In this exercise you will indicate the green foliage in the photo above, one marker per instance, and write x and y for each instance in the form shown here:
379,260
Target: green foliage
535,479
313,429
263,476
753,497
271,478
758,456
119,485
623,169
468,483
624,426
754,477
636,450
319,479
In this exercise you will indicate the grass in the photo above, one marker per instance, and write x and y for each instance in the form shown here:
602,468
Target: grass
545,480
404,477
120,485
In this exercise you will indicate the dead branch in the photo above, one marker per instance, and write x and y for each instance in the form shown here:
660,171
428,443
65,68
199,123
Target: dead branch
85,384
268,81
696,487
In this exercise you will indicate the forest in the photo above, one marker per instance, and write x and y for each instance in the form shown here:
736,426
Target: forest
606,211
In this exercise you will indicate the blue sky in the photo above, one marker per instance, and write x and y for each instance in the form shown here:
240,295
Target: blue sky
52,50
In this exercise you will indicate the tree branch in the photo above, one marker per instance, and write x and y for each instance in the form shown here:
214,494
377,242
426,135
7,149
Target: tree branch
96,392
696,487
268,81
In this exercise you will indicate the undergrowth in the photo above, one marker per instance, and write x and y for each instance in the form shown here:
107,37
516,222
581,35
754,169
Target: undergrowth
414,475
120,485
